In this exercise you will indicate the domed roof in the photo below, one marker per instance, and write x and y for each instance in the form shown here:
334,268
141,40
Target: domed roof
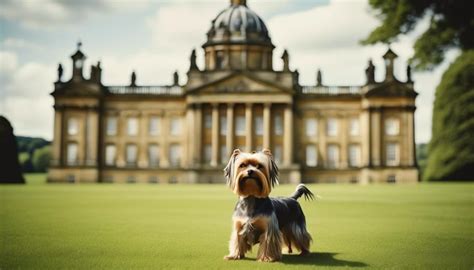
238,24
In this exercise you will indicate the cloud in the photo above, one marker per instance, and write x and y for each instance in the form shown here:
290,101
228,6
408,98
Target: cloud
16,43
24,95
52,14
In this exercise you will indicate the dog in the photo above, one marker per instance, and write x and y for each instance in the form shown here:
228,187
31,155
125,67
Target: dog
258,218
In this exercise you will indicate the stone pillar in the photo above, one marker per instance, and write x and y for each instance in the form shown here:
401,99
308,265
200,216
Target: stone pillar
121,134
322,147
288,136
248,127
376,132
198,134
142,146
230,128
365,138
344,142
165,142
92,136
215,135
57,142
409,145
266,125
190,138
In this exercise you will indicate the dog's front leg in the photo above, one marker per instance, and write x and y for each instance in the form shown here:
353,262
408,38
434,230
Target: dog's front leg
237,244
270,241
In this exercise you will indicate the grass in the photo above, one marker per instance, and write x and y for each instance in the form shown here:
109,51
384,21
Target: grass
135,226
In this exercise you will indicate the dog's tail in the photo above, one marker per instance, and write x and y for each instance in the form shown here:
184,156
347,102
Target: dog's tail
302,190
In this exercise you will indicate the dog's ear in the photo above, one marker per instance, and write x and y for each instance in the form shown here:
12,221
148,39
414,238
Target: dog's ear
272,167
229,169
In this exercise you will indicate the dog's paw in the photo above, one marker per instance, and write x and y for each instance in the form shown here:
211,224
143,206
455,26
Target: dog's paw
304,253
267,259
233,257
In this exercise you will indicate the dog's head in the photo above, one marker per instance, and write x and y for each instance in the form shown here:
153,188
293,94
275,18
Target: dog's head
251,174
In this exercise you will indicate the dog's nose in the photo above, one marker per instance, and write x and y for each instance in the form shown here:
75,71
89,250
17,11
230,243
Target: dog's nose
250,172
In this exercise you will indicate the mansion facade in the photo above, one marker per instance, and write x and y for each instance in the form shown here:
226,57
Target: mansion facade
186,133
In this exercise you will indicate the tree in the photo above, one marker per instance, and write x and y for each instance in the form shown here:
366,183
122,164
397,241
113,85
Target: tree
41,158
451,26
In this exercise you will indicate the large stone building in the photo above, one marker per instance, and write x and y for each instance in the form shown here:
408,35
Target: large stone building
185,133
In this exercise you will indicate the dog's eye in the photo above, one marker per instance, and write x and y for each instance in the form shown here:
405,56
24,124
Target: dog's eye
259,166
242,165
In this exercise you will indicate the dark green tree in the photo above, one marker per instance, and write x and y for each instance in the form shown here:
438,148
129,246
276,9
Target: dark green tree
41,158
451,26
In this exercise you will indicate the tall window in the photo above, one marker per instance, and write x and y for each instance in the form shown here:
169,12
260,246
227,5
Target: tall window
354,127
154,126
224,154
240,126
72,126
223,125
110,153
392,154
392,126
258,126
175,155
311,127
111,126
153,155
331,128
333,156
207,153
219,60
175,126
208,121
354,155
131,154
72,157
277,154
132,126
278,125
311,155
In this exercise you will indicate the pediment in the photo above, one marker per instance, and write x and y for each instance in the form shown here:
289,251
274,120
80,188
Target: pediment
391,89
240,83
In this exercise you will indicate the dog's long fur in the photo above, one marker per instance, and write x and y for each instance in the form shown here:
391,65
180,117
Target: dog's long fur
258,218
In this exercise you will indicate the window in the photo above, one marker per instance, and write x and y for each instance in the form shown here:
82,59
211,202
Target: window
154,126
110,153
72,126
224,155
72,154
332,127
311,156
131,154
391,178
354,155
392,126
258,126
219,60
311,127
277,153
333,156
207,153
175,126
132,126
153,179
208,121
392,154
278,125
240,126
223,125
153,155
354,127
175,155
111,126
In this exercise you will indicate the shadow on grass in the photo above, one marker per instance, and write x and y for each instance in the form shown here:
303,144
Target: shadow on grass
321,259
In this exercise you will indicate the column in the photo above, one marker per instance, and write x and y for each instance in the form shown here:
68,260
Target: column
92,123
57,142
344,142
248,127
198,134
365,138
190,138
143,146
215,135
375,120
288,136
121,133
230,129
410,140
266,125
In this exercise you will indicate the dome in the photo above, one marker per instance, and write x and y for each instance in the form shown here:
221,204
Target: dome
238,24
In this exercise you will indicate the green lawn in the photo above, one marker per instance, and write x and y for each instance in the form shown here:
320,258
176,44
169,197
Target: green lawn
137,226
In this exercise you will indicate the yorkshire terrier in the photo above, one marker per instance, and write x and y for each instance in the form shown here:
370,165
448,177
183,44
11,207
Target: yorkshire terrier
258,218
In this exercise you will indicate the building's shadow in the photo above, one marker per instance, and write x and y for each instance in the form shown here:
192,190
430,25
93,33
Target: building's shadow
321,259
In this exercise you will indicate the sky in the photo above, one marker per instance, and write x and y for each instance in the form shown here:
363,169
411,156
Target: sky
155,37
